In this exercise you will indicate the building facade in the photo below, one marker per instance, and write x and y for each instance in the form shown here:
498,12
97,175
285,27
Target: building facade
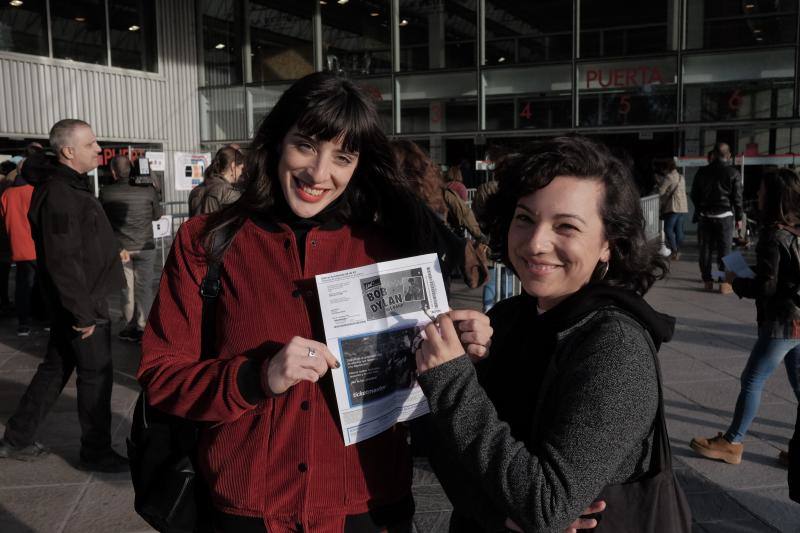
651,79
128,67
656,78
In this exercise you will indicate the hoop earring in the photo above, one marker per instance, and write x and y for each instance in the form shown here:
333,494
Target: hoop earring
603,266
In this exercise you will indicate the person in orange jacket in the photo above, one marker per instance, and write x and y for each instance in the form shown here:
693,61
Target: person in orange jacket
14,205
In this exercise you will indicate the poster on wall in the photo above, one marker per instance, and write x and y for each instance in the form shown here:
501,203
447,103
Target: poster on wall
189,168
157,160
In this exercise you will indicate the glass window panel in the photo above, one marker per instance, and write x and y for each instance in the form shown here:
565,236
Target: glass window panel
356,37
626,27
222,114
222,44
262,99
380,89
281,40
133,34
437,34
643,91
23,28
739,23
534,97
744,85
79,31
528,32
438,102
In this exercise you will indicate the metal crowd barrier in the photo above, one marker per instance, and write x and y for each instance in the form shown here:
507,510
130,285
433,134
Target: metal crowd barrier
177,214
652,219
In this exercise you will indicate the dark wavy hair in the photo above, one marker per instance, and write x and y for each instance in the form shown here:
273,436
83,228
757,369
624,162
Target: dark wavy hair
327,107
782,201
634,263
422,174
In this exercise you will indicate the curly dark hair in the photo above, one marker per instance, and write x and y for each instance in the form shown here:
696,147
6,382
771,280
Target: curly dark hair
634,263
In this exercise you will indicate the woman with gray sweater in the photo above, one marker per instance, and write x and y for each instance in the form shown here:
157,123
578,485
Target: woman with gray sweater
567,406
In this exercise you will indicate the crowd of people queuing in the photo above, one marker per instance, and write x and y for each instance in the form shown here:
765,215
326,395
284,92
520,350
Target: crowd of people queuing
546,411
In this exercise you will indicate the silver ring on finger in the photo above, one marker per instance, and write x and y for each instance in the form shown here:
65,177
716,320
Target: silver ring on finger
312,352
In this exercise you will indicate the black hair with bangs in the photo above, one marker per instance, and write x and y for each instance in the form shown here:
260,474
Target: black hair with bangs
327,107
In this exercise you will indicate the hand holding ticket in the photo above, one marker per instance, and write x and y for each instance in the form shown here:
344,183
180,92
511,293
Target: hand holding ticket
372,316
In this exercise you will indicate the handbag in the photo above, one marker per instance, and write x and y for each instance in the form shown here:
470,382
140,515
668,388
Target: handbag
476,264
654,503
169,494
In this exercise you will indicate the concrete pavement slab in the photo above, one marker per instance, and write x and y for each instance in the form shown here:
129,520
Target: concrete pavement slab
55,469
37,509
719,394
679,368
772,506
106,506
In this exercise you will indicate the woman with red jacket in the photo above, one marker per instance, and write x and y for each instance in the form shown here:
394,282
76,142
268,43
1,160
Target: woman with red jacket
322,195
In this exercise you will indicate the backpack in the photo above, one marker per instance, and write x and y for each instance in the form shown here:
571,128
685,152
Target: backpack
169,495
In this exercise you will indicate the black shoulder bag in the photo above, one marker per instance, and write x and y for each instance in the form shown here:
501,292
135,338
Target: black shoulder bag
169,495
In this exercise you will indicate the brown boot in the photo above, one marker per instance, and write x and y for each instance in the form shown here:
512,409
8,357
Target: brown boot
718,448
709,286
725,288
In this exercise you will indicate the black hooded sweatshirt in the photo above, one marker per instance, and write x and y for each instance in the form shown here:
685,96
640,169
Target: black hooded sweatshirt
77,253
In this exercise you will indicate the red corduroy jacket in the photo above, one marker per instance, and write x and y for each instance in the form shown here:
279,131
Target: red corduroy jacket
280,458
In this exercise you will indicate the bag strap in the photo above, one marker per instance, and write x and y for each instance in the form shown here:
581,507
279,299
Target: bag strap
661,455
210,288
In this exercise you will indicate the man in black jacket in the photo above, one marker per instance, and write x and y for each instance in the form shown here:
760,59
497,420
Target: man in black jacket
717,196
131,209
79,266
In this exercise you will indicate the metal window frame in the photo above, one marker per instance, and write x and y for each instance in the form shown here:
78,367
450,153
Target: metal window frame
680,54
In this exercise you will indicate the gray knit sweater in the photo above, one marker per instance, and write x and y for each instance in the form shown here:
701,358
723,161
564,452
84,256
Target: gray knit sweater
593,427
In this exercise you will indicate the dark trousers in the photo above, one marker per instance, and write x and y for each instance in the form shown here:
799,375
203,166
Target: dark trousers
5,270
23,292
714,235
66,351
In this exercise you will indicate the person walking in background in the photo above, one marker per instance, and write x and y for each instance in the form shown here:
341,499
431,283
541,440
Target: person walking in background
717,197
79,266
15,203
776,289
425,179
220,185
674,206
455,182
9,177
131,210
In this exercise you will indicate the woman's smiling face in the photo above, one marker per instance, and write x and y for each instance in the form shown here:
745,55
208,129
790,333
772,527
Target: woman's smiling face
313,173
557,237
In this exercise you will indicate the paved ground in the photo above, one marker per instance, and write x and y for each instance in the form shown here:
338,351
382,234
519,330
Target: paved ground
701,368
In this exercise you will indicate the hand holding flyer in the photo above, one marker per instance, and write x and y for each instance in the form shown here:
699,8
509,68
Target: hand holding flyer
372,316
